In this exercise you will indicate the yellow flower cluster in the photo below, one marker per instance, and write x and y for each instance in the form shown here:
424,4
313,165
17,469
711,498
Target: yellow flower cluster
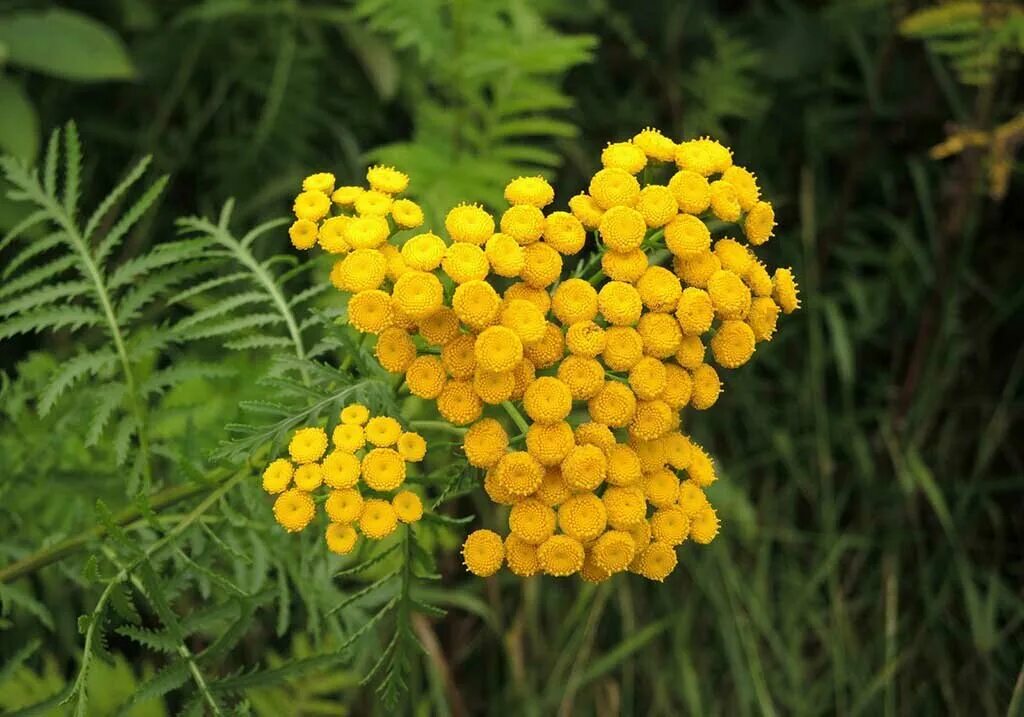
374,449
601,365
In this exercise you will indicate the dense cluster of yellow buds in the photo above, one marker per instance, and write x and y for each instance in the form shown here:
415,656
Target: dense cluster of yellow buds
602,365
363,475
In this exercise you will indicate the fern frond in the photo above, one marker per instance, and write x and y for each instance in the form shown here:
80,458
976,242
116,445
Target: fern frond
163,255
103,208
72,169
164,379
110,398
73,371
222,306
231,326
43,297
36,248
155,640
71,317
40,274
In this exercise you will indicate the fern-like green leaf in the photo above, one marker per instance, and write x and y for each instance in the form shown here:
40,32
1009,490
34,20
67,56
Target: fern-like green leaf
70,317
73,371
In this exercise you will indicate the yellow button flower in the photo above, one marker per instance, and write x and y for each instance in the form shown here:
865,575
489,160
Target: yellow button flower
697,269
614,550
704,156
309,477
354,414
785,291
383,431
425,377
294,510
534,191
758,279
361,270
691,499
624,266
538,295
553,490
387,179
652,454
483,553
311,205
574,300
469,223
614,405
547,400
407,213
524,319
655,145
493,387
670,525
624,155
647,378
619,303
622,229
704,525
521,557
584,376
695,311
625,506
729,295
582,517
383,469
659,289
542,265
485,443
476,303
303,233
564,233
661,334
734,256
331,235
374,204
592,433
505,255
523,373
690,353
344,506
763,317
341,469
411,447
624,347
418,293
624,466
465,262
277,476
661,488
585,467
759,223
687,236
367,232
531,521
724,203
613,187
378,519
657,204
691,191
549,350
657,561
458,403
424,252
678,387
440,327
320,182
519,473
550,443
524,223
706,387
341,538
733,344
496,491
408,506
585,338
584,208
745,184
701,469
369,311
652,419
307,445
498,348
678,450
346,196
560,556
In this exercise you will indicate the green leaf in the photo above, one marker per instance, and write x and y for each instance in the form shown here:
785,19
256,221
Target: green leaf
19,124
65,44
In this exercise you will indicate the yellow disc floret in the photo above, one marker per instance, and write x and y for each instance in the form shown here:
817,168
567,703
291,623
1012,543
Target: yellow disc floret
560,556
277,476
307,445
469,223
624,155
785,291
483,553
613,187
344,506
532,521
408,506
378,519
534,191
485,443
733,344
294,510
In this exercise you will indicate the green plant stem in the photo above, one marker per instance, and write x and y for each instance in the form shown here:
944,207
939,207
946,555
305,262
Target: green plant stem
516,416
166,497
437,426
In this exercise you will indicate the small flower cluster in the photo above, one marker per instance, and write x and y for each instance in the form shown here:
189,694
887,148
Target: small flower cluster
373,449
603,366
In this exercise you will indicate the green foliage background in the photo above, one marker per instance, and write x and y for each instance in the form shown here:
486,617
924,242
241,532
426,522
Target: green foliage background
872,560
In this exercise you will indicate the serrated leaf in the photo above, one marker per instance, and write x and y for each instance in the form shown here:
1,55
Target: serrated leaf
72,371
44,295
69,317
38,275
155,640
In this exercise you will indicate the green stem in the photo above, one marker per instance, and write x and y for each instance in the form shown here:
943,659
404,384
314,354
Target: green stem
516,416
437,426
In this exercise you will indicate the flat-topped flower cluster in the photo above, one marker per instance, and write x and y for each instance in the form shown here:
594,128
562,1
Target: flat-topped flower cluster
486,322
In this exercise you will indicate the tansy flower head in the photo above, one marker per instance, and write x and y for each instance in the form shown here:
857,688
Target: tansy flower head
424,252
553,490
469,223
346,196
341,538
624,466
303,233
624,266
355,414
785,291
344,506
418,293
294,510
724,203
309,476
651,420
614,405
657,205
369,311
584,376
745,184
560,555
361,270
498,348
585,467
483,553
592,572
704,525
659,289
655,145
465,262
690,353
647,378
331,235
458,403
622,228
505,255
524,319
686,236
704,156
532,521
348,437
549,350
695,311
458,356
614,550
542,265
519,473
586,210
383,430
440,327
661,488
670,525
412,447
595,434
406,213
757,278
759,223
678,387
425,377
691,499
619,303
624,505
678,450
733,344
706,387
311,205
695,270
660,333
408,506
763,317
521,556
367,232
691,191
387,179
624,155
341,469
547,400
277,476
534,191
538,295
383,469
549,443
322,182
623,348
493,387
657,561
730,296
585,338
485,443
476,303
395,350
564,233
613,187
307,445
524,223
378,519
582,517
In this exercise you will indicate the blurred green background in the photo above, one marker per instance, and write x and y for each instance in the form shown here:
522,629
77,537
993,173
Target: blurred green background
872,457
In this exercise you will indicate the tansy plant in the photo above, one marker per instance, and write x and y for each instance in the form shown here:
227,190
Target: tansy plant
571,386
